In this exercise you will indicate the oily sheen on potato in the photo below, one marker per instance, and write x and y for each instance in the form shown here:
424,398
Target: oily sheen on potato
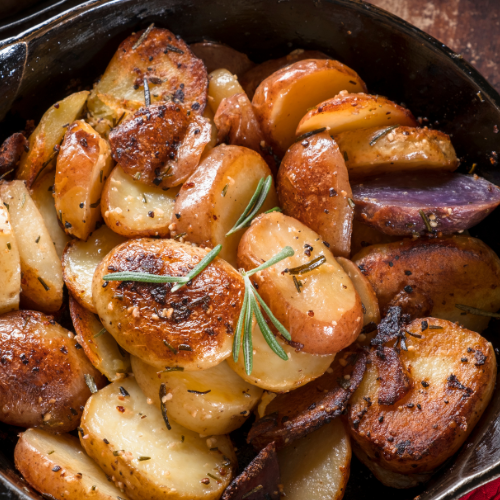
10,264
222,84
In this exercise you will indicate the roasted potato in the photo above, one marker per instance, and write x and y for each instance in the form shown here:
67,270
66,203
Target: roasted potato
80,260
449,271
148,457
134,209
222,84
45,139
42,373
215,196
209,115
57,467
363,236
192,327
283,98
313,186
11,151
218,55
348,111
41,279
10,264
99,345
320,308
212,401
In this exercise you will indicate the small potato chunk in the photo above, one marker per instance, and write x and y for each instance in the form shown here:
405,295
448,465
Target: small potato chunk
49,134
326,315
99,345
134,209
283,98
11,151
192,327
222,84
57,467
41,281
10,264
448,271
80,260
317,467
349,111
218,55
380,150
83,165
313,187
215,196
42,376
130,441
212,401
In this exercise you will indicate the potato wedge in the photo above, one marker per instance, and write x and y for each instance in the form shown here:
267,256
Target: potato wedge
45,139
326,315
11,151
449,271
99,345
42,373
130,441
317,467
224,408
134,209
215,196
313,187
10,265
349,111
218,55
41,281
363,236
283,98
192,327
80,260
57,467
222,84
83,165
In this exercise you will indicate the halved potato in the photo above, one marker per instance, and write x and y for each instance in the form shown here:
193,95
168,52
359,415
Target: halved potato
130,441
215,196
57,467
320,308
99,345
218,55
45,139
348,111
283,98
83,165
80,260
41,279
10,264
212,401
317,467
313,187
222,84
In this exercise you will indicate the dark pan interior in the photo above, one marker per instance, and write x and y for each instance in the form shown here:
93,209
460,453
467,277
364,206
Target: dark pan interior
394,59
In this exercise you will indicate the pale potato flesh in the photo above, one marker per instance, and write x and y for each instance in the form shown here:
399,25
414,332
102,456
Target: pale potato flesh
10,264
41,281
80,260
223,409
222,84
178,458
134,209
37,456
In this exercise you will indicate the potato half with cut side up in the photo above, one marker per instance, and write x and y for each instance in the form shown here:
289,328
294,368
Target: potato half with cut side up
216,195
283,98
222,84
83,165
10,264
191,327
212,401
134,209
130,441
313,187
218,55
41,279
57,467
320,307
80,260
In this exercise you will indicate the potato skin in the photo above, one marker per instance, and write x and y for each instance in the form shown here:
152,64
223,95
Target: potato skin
41,373
218,55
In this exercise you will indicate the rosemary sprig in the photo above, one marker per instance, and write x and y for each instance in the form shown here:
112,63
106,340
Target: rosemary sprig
163,393
275,209
381,134
308,267
101,332
476,311
147,94
426,220
143,36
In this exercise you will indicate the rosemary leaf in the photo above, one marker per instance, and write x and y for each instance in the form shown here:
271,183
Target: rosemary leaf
47,288
173,349
144,277
275,209
239,327
426,220
147,95
300,138
351,203
89,380
251,492
143,36
476,311
381,133
297,284
247,335
309,266
172,369
199,392
96,204
142,459
224,190
6,173
100,333
283,254
163,393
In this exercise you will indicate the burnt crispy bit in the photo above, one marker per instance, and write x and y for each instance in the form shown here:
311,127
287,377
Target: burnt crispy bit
454,383
480,358
11,151
391,327
395,382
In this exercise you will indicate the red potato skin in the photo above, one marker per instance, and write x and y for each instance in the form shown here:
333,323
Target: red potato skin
10,152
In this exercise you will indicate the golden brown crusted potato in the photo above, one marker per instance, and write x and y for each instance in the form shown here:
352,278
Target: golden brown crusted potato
11,151
57,467
363,236
218,55
283,98
130,441
214,197
348,111
10,264
134,209
42,373
83,165
192,327
222,84
313,186
325,316
449,271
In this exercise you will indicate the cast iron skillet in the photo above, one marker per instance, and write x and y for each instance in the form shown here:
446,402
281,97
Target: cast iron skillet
394,58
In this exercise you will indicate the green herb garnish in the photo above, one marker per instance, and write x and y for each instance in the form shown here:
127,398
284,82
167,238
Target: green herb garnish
297,284
199,392
9,246
308,267
143,36
147,95
426,221
275,209
6,173
224,190
43,284
163,393
142,459
213,477
37,240
100,333
120,119
172,369
179,236
97,203
351,203
381,133
309,134
251,492
476,311
173,349
144,199
89,380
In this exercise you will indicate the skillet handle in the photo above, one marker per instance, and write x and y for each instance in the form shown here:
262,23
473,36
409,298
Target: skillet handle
12,64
